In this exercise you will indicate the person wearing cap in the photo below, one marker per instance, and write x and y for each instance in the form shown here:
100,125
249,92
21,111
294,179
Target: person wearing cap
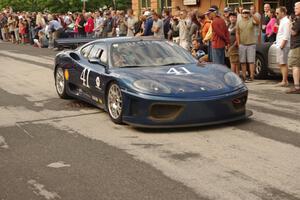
148,24
246,40
227,11
220,37
68,19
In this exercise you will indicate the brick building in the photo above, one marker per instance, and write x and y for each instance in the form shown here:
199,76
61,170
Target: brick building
203,5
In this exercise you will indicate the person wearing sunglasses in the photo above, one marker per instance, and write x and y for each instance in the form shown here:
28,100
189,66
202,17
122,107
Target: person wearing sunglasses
283,44
246,41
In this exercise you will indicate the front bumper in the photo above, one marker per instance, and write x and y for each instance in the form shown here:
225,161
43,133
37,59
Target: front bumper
165,112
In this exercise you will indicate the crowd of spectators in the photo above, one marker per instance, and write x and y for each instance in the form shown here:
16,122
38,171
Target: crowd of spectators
224,37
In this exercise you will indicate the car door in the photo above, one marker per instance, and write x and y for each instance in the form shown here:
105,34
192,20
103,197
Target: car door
96,71
78,75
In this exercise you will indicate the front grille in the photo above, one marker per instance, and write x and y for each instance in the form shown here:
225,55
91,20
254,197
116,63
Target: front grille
165,111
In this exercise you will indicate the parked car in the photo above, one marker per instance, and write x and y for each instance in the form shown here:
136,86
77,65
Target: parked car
266,64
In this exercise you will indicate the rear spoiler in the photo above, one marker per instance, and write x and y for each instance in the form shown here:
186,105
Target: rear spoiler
71,43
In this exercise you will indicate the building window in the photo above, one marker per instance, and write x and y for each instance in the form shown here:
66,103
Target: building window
247,3
167,4
273,4
236,3
145,4
233,3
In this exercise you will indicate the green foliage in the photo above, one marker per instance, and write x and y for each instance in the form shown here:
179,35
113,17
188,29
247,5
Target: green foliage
62,5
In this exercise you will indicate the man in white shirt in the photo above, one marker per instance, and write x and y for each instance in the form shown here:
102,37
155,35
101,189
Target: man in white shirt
99,21
184,29
68,19
131,21
283,44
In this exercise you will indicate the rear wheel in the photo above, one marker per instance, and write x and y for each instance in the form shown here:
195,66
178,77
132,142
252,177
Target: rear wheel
115,103
261,69
60,83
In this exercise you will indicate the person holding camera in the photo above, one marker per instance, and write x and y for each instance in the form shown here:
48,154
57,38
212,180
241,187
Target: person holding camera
246,41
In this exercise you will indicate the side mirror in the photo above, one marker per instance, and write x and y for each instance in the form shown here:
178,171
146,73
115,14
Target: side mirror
98,62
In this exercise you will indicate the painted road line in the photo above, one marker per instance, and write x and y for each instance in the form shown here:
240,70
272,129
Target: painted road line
58,164
3,144
40,190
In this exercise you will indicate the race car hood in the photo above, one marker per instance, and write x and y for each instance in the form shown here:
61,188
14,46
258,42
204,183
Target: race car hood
182,80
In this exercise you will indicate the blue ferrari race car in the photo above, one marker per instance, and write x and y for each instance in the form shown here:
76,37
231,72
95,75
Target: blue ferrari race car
147,82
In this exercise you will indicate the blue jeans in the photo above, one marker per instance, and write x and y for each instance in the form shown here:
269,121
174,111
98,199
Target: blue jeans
209,51
218,56
263,37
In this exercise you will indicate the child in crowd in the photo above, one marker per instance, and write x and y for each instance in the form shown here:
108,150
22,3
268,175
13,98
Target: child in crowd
42,41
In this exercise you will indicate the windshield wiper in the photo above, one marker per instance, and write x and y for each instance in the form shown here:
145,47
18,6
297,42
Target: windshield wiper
178,63
132,66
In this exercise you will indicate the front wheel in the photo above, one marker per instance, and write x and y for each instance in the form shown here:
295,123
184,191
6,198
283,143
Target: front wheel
261,69
115,103
60,83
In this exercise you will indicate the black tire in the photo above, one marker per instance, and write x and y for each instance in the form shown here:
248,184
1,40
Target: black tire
114,103
60,83
261,68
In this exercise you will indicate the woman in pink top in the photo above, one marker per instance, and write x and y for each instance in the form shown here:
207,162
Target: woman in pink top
271,27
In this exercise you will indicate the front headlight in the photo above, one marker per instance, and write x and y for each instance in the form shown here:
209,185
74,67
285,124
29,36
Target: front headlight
150,86
232,79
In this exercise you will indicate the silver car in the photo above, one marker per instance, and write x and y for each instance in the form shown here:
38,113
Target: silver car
266,64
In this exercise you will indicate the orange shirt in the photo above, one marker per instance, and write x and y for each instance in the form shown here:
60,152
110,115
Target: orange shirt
205,28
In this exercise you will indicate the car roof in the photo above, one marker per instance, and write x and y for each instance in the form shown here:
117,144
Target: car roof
128,39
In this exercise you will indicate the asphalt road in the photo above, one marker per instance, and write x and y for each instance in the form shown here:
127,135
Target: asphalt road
65,149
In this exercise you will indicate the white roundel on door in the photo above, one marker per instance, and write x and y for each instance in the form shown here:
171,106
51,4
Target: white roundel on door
98,83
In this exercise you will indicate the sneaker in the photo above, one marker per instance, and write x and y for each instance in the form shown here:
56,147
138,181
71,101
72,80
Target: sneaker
249,80
293,91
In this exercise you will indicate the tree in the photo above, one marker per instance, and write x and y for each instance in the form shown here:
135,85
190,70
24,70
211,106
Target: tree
61,5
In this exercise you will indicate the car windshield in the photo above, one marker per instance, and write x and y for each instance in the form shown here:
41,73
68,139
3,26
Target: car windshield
149,53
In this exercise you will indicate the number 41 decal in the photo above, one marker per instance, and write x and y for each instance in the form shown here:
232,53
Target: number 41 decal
180,71
85,77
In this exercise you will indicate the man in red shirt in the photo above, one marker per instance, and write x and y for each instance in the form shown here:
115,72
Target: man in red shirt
220,37
89,26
